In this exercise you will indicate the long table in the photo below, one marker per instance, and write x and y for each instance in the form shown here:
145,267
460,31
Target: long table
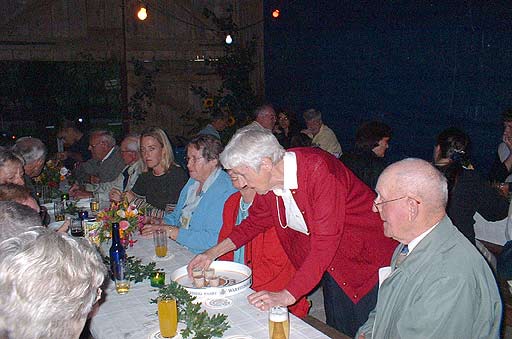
132,316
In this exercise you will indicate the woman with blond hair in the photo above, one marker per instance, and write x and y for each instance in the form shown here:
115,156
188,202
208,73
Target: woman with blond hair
161,179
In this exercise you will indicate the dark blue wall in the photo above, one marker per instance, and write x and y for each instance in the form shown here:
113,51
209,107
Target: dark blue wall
418,66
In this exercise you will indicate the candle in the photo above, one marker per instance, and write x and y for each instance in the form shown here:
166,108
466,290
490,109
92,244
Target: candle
157,279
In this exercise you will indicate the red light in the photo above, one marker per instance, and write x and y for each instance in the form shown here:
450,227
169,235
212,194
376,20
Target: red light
275,13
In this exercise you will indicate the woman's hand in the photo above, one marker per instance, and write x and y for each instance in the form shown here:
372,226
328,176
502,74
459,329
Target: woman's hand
264,300
148,229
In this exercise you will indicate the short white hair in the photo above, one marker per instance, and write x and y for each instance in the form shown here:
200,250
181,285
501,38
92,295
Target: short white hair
49,283
105,136
249,146
31,149
421,178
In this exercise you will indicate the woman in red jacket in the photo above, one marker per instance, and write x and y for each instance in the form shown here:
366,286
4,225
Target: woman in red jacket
271,268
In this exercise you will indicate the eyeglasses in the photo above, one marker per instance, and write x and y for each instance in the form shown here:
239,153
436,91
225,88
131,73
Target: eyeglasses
377,204
192,159
92,146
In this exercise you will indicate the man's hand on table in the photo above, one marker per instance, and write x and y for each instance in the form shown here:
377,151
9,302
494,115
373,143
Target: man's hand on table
264,300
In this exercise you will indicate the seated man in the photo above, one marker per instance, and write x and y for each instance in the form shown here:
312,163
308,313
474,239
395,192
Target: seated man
16,218
34,153
218,124
106,163
264,117
438,285
501,170
76,145
321,135
130,153
50,282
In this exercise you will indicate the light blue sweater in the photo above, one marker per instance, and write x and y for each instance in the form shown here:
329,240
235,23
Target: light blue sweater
206,221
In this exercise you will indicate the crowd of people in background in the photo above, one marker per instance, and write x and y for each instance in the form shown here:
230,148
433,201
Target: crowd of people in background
286,201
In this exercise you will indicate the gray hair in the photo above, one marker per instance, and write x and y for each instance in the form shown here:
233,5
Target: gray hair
7,155
133,142
261,110
16,218
419,177
50,281
312,114
31,149
249,146
105,136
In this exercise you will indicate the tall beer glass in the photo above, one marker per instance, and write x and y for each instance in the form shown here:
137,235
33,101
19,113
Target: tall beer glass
278,323
167,317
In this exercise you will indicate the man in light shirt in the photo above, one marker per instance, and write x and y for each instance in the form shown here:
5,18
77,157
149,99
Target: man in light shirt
321,135
264,117
438,285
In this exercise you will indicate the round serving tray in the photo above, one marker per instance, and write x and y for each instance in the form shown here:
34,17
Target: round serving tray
237,278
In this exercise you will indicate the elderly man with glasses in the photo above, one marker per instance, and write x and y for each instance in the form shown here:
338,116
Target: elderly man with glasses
106,163
438,285
322,215
130,153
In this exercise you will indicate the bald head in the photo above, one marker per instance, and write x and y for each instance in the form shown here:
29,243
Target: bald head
412,196
419,178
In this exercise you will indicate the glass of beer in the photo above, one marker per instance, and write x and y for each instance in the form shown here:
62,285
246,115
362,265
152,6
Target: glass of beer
167,317
278,323
160,240
59,210
121,278
94,203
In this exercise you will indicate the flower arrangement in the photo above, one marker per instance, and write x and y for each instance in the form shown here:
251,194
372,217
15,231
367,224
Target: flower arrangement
126,215
50,178
51,174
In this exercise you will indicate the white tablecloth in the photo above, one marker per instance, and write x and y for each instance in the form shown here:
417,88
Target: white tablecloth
132,316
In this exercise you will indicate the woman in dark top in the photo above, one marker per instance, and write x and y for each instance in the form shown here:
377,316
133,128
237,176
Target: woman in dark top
367,159
468,193
161,179
286,129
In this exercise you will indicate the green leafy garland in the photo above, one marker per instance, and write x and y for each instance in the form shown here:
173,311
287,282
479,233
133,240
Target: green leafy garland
199,324
136,270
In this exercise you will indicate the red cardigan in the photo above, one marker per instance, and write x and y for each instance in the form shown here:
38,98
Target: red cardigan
346,238
271,268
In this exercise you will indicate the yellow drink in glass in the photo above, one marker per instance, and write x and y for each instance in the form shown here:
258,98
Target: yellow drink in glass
122,287
95,206
161,251
167,317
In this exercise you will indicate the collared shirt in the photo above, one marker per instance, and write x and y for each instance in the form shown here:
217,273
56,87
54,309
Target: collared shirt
294,218
327,140
193,198
108,154
419,238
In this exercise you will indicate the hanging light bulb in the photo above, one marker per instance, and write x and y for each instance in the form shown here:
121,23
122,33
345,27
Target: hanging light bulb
229,39
142,14
276,13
